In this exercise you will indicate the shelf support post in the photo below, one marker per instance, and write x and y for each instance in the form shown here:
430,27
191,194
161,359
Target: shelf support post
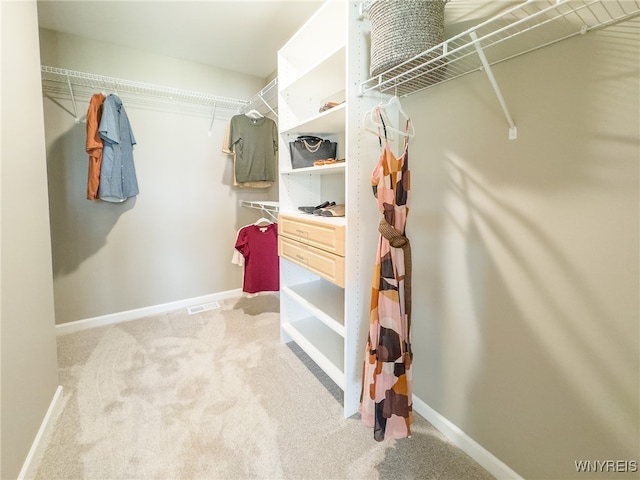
513,130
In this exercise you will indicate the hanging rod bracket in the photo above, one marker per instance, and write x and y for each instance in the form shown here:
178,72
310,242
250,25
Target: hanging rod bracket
73,101
513,131
213,117
268,106
268,208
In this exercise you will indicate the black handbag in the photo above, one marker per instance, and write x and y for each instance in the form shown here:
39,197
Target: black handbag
307,149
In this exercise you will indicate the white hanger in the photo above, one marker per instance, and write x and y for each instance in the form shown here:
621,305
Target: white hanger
262,220
254,114
375,126
395,101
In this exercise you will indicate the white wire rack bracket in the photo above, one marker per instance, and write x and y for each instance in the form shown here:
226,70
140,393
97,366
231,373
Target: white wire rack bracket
73,101
263,99
268,208
513,130
536,24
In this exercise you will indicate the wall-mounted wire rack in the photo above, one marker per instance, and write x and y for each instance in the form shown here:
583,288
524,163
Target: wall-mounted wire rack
268,208
60,82
265,101
531,25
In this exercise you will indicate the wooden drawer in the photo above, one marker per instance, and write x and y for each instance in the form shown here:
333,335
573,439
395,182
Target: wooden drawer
320,262
320,234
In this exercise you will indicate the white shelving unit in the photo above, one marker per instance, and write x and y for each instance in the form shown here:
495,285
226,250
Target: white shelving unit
329,322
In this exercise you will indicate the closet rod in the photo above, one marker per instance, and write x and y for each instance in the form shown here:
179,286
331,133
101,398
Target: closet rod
101,82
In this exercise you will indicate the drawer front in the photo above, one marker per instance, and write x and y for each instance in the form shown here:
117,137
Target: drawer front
327,265
323,235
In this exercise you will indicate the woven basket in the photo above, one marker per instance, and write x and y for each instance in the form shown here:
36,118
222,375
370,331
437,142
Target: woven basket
401,29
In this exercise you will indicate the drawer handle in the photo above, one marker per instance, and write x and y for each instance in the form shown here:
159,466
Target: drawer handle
299,257
300,231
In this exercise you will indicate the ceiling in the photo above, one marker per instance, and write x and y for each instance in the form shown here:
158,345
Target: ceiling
239,35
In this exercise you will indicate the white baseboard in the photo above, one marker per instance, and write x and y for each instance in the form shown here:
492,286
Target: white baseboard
70,327
460,439
38,445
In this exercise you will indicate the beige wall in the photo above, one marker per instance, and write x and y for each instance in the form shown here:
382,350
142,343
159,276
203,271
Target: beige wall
29,368
175,240
526,325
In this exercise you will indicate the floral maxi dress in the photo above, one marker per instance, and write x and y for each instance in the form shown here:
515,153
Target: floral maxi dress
385,402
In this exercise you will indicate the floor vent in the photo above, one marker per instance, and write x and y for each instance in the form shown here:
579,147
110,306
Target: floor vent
203,308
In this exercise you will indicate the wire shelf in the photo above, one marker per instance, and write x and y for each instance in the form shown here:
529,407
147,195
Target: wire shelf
60,82
529,26
98,82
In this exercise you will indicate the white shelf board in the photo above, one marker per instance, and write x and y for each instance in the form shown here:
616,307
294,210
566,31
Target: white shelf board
323,345
328,122
320,80
321,170
323,300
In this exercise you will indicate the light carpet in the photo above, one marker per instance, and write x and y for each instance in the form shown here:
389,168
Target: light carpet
215,395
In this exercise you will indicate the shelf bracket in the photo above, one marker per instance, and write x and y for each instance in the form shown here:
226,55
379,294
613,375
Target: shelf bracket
269,209
513,130
268,106
73,100
213,117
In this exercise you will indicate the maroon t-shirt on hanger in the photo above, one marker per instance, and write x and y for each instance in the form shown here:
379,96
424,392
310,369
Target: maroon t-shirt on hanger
258,244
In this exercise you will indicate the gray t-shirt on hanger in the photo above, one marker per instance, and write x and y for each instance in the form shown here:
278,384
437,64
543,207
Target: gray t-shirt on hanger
255,143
